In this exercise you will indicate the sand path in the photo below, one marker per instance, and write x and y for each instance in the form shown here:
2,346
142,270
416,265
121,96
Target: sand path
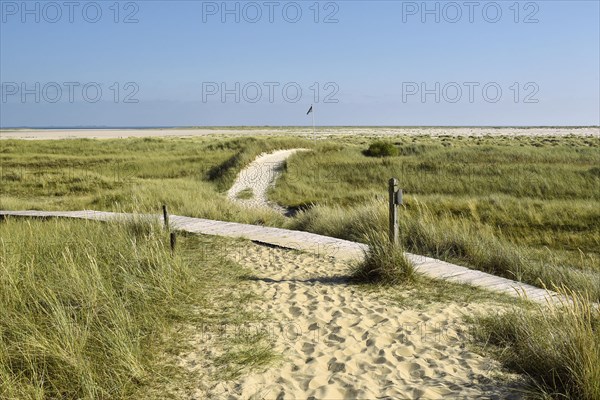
341,342
258,177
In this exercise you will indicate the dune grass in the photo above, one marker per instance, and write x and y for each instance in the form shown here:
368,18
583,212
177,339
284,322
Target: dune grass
245,194
453,239
89,308
524,208
384,263
558,346
190,175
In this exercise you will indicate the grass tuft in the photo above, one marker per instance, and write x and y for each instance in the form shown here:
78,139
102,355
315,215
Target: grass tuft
384,263
245,194
558,346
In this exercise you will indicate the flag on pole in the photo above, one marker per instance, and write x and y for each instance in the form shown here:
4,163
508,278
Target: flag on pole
310,110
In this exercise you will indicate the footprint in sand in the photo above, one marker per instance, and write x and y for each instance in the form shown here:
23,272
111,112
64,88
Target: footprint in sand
352,344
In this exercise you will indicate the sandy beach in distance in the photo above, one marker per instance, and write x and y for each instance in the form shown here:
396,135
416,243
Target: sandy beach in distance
55,134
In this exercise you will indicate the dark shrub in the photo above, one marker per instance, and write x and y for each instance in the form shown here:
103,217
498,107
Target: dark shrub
381,149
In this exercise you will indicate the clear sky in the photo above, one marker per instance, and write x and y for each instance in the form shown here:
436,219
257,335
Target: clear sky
182,63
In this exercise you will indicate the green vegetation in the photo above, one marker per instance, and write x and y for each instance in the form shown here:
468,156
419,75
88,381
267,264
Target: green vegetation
245,194
558,346
133,175
527,208
381,149
459,241
384,262
524,208
86,317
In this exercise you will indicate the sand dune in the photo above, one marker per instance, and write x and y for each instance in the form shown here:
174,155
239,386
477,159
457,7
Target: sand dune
341,342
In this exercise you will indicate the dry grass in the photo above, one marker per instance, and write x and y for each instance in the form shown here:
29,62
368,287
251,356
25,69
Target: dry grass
557,346
384,262
89,309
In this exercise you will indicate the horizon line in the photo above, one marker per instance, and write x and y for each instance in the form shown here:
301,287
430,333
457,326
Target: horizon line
131,127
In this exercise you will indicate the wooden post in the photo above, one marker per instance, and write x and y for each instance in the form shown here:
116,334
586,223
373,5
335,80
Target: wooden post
165,217
173,238
393,229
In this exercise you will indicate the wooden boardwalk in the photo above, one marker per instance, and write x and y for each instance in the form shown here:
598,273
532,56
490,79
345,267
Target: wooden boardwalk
322,246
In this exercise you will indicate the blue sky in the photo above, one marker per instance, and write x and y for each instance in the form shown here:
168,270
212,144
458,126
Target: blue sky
373,62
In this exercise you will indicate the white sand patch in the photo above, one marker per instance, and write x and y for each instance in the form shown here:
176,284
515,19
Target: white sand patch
341,342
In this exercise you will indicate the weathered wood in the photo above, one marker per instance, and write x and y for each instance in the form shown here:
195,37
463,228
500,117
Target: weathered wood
398,197
165,217
173,240
393,214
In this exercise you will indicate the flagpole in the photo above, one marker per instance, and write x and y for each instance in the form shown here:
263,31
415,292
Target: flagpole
313,115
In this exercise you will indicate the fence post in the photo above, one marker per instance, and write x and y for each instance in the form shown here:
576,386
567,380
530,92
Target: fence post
393,228
173,238
165,217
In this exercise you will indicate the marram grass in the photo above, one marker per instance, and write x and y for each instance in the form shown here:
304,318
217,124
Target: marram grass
80,301
90,309
384,263
557,345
